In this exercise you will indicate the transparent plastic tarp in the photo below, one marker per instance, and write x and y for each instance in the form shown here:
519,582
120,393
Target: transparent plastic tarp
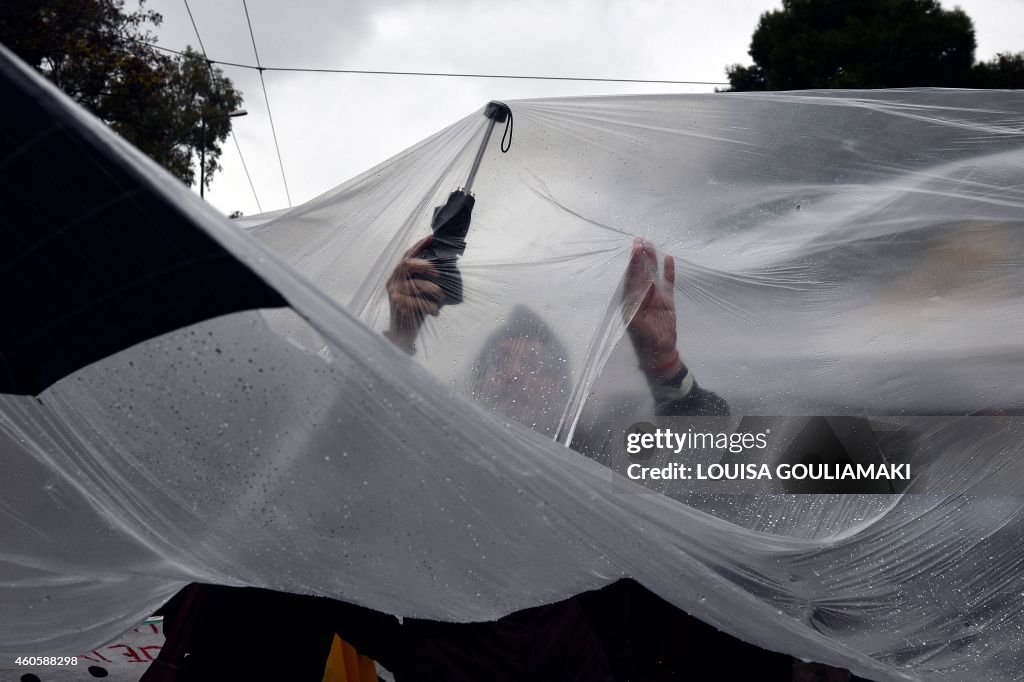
855,254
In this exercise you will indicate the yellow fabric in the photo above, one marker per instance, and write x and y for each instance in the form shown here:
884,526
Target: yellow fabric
344,664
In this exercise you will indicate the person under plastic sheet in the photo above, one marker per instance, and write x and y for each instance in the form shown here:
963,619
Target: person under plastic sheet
521,371
521,374
619,632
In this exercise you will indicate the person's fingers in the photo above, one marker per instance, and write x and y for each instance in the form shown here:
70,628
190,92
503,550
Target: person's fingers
419,246
648,295
405,305
415,306
636,269
670,275
419,267
402,287
429,289
650,259
410,265
420,288
408,289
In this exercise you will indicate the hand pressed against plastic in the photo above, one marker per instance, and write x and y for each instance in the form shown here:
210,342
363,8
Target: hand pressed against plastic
414,291
652,327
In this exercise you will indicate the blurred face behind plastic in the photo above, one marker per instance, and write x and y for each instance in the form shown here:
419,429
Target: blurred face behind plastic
521,381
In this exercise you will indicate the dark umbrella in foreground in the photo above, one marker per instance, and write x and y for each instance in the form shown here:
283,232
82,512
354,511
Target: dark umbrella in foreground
92,261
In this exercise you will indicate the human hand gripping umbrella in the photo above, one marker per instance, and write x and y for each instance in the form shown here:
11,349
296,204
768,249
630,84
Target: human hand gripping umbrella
428,278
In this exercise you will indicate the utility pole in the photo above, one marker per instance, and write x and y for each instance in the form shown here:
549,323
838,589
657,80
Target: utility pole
202,149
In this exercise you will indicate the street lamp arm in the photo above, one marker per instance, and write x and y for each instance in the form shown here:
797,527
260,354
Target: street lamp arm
230,114
202,149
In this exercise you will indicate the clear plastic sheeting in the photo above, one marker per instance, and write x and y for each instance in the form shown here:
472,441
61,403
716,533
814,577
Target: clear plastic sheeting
834,254
842,254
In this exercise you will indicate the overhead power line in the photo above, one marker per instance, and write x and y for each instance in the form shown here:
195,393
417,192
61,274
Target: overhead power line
266,99
195,28
444,74
209,65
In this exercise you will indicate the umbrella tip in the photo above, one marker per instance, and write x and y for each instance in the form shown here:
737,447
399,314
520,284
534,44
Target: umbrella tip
497,111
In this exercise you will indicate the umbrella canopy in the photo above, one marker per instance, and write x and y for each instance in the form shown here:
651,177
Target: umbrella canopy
94,260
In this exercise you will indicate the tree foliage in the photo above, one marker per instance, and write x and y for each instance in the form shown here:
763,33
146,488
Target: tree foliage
1005,71
97,52
859,44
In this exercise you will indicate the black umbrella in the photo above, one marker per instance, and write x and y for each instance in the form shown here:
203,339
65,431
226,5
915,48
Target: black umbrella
93,257
450,222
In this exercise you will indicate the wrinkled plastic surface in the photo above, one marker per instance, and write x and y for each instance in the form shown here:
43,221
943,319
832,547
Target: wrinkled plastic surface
837,253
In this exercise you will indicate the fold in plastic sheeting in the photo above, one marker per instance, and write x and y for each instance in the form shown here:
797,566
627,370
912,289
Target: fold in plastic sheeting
853,253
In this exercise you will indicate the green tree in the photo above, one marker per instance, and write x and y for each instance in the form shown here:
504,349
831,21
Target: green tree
97,52
1005,71
858,44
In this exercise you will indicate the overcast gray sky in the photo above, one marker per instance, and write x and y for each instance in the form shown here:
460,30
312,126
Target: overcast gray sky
333,126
